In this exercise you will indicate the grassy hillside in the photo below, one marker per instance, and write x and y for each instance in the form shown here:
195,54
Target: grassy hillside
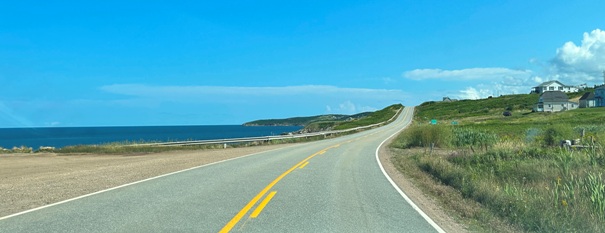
334,122
483,107
372,118
512,169
304,121
486,114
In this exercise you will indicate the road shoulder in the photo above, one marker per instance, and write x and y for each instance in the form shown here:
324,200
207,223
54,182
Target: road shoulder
34,180
428,205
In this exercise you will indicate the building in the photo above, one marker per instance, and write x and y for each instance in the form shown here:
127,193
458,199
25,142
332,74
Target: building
599,96
587,100
554,85
554,101
448,99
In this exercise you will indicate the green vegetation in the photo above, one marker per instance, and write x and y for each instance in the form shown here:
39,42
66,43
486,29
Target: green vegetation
469,108
513,167
373,118
334,122
305,121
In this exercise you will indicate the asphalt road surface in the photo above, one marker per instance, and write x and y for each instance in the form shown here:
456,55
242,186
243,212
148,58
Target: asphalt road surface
332,185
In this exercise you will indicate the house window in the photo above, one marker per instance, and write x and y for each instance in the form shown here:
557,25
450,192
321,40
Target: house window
551,88
560,88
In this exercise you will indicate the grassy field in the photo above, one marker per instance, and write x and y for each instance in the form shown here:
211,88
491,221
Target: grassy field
513,167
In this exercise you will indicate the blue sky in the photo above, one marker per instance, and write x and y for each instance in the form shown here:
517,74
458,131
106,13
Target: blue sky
227,62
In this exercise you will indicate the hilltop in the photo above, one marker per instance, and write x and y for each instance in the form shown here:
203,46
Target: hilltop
304,121
332,121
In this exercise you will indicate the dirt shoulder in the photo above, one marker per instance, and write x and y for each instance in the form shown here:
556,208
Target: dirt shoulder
428,205
34,180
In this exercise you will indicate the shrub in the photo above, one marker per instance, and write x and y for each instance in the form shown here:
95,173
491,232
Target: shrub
554,134
424,136
466,137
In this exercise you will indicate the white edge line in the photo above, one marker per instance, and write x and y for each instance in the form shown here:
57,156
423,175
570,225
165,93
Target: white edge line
133,183
407,199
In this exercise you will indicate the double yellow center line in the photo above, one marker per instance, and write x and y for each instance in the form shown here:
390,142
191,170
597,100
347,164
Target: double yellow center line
254,200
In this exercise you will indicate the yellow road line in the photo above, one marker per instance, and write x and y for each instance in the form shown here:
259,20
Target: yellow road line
252,202
262,205
303,166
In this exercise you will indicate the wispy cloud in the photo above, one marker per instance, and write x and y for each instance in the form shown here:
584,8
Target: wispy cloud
466,74
252,102
185,92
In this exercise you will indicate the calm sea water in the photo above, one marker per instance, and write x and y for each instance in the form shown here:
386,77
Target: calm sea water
60,137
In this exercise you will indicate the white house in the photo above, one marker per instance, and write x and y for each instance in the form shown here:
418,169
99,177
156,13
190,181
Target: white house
553,85
599,96
554,101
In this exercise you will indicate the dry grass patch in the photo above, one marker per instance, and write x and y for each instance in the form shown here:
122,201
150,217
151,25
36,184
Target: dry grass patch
464,210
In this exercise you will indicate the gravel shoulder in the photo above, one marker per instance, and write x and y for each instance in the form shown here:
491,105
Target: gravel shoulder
34,180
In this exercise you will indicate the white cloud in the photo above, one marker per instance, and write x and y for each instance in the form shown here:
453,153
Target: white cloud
574,64
480,82
472,93
582,63
331,98
347,106
180,92
466,74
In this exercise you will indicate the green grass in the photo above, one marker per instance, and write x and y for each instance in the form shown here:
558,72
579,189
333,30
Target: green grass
468,108
512,166
373,118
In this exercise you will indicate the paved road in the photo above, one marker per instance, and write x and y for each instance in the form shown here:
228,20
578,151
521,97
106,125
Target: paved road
333,185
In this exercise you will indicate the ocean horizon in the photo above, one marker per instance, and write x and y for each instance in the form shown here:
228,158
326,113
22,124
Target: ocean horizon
69,136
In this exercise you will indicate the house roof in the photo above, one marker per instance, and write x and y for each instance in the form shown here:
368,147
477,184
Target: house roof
554,96
548,83
587,96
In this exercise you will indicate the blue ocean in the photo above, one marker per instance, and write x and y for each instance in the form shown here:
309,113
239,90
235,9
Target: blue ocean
66,136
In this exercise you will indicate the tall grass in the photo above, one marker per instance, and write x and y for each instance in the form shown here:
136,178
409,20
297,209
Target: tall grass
536,186
424,136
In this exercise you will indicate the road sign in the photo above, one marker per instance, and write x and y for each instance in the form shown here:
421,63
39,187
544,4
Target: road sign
433,122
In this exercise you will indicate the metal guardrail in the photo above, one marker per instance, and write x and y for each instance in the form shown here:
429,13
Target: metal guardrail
265,138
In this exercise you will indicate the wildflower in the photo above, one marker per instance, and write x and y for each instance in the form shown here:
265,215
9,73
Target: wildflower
558,180
564,203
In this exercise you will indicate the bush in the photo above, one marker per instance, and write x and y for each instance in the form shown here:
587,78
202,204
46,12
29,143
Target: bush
424,136
554,134
466,137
